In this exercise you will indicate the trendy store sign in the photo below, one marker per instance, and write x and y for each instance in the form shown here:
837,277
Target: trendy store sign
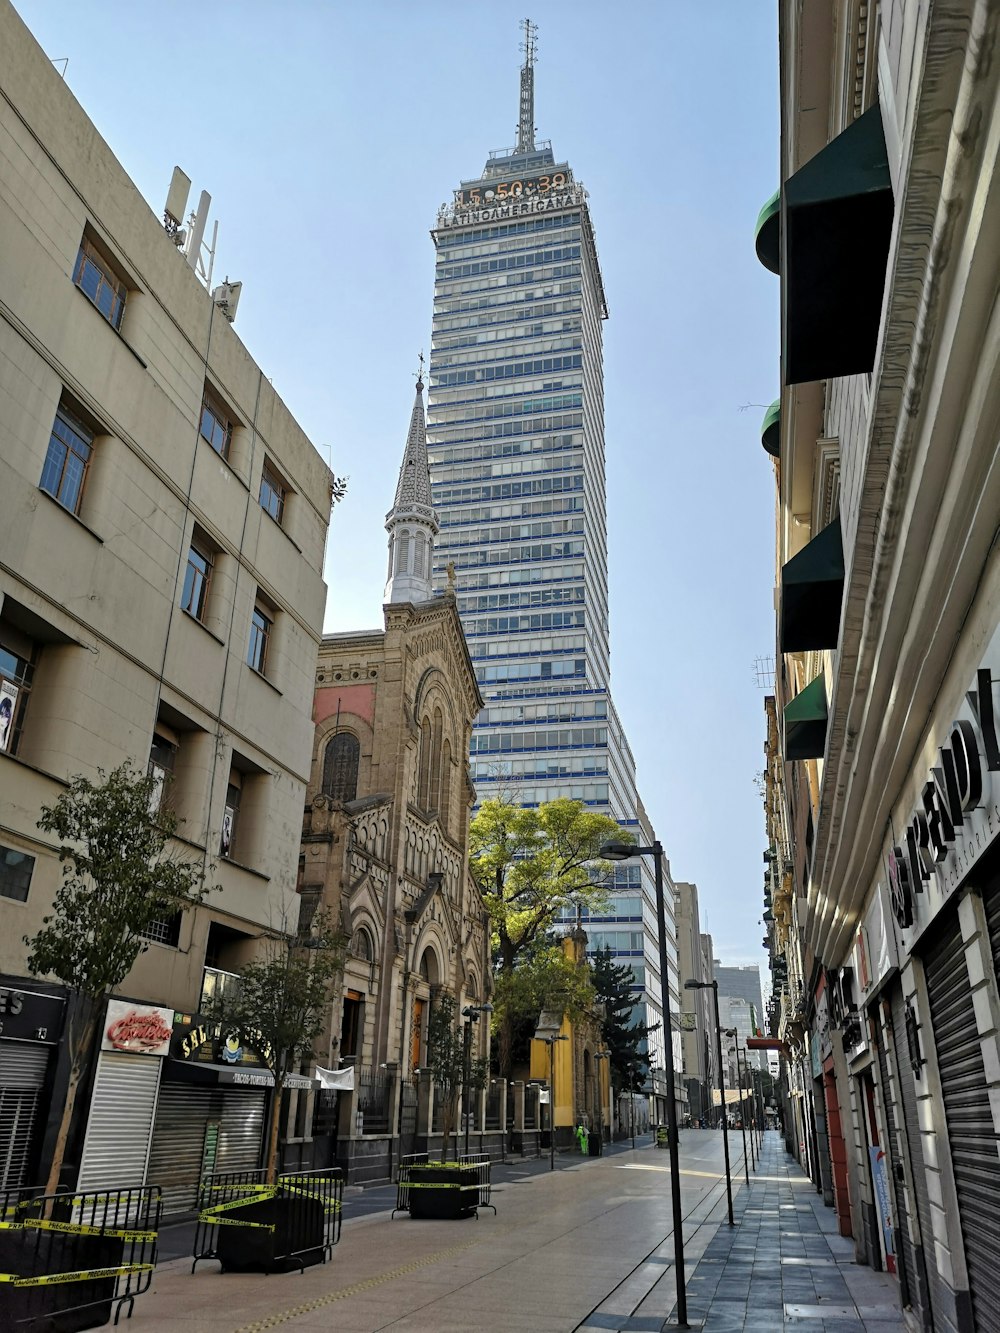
951,825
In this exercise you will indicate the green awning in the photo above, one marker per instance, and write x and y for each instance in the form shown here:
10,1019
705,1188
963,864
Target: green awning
812,592
767,233
770,429
805,722
837,220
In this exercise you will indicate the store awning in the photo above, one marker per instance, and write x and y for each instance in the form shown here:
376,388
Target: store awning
770,429
202,1071
812,593
767,233
837,219
805,722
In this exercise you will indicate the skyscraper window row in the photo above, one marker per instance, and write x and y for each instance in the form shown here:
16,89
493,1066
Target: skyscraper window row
578,766
565,738
522,243
505,282
516,295
536,646
470,395
511,601
533,671
590,793
549,317
454,473
516,555
506,261
445,240
554,710
491,356
466,414
506,370
503,578
564,480
523,624
513,449
454,525
456,433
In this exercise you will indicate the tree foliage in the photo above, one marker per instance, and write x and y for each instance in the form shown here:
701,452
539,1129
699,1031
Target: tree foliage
280,1005
612,983
119,876
529,864
544,979
446,1059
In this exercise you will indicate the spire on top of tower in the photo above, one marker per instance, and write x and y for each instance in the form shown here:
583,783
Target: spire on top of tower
411,522
526,120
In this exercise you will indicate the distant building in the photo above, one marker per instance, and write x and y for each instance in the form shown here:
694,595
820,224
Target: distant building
162,525
698,1022
743,983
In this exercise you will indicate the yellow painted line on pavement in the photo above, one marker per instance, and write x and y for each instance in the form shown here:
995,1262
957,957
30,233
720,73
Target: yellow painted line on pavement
641,1166
307,1307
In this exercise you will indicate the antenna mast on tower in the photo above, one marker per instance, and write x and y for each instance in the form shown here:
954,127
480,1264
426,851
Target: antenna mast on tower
526,122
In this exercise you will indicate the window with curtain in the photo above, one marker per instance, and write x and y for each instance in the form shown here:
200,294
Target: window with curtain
340,767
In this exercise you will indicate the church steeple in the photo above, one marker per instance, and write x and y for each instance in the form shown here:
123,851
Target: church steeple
411,522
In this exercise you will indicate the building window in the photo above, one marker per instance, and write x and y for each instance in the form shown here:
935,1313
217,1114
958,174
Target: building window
446,785
272,494
361,945
97,279
67,460
230,818
15,874
197,579
162,755
216,426
434,784
16,672
260,635
165,930
340,767
424,765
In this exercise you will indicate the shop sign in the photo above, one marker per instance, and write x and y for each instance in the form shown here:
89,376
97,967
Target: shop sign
27,1015
143,1029
882,1202
956,817
844,1013
875,949
200,1040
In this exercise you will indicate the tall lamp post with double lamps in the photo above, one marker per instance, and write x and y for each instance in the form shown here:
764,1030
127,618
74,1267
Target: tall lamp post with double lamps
623,851
599,1058
550,1042
713,986
471,1014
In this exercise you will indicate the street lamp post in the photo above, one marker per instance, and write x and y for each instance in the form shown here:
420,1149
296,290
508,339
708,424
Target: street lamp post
550,1042
622,851
471,1014
731,1032
714,987
599,1058
749,1100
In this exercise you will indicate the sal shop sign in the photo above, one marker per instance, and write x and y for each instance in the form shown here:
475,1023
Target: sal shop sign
141,1029
943,815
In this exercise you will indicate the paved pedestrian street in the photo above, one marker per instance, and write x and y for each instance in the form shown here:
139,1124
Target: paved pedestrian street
586,1247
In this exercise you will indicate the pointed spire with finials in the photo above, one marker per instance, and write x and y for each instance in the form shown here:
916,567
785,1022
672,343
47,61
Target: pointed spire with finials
411,522
526,118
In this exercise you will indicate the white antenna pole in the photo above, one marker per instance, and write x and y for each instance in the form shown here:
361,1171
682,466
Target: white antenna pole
198,225
211,255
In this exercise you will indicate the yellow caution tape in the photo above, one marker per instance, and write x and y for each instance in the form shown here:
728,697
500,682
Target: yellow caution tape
442,1185
234,1222
77,1229
87,1275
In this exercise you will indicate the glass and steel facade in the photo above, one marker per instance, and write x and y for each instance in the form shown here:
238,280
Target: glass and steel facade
516,448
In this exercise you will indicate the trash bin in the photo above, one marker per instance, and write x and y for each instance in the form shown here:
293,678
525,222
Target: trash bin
594,1145
662,1136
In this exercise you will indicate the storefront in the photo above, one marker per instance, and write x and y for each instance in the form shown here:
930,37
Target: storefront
212,1110
31,1026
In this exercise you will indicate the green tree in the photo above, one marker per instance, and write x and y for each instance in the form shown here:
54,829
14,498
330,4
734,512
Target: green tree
543,979
281,1004
612,984
528,866
446,1061
119,876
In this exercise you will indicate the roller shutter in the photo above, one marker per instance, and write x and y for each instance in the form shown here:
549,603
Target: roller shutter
116,1149
22,1076
973,1141
909,1260
202,1129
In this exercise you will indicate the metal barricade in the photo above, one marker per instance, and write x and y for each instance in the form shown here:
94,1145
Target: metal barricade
294,1221
61,1254
481,1161
403,1179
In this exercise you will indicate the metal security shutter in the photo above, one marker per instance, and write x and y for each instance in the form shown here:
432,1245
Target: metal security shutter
242,1129
116,1148
908,1262
22,1076
924,1300
974,1156
183,1148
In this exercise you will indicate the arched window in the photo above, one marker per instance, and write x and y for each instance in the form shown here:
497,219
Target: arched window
446,785
403,552
424,765
420,555
361,945
434,795
340,767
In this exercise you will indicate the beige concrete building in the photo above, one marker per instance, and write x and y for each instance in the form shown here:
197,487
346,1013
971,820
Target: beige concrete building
385,839
698,1025
162,530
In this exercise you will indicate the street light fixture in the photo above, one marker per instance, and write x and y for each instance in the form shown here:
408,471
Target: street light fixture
714,987
623,851
471,1014
599,1057
550,1042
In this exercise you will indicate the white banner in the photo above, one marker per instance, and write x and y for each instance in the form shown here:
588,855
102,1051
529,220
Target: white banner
336,1080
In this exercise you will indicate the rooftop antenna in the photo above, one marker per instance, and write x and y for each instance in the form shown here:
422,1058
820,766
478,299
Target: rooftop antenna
526,123
190,240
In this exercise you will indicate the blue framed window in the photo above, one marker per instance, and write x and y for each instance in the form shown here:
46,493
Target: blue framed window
67,460
97,279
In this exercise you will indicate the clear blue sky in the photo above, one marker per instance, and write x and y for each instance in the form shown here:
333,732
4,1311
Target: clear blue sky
328,134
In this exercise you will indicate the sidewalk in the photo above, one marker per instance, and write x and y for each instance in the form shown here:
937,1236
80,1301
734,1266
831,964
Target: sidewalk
783,1263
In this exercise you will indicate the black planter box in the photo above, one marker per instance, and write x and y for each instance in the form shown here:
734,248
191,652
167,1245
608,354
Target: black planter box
297,1241
445,1193
55,1307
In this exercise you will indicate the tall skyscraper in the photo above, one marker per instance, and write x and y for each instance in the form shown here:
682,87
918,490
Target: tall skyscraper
516,447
